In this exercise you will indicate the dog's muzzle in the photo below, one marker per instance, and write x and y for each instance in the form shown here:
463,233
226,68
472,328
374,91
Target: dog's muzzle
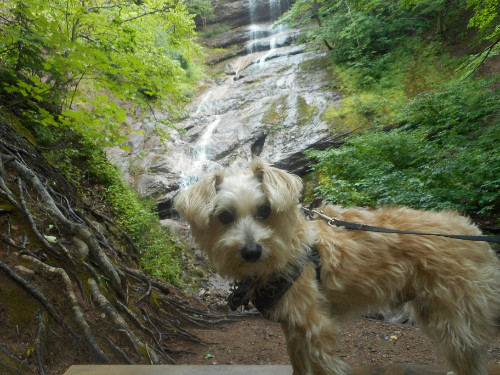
251,252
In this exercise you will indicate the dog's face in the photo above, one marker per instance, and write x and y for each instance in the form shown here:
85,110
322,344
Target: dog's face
244,219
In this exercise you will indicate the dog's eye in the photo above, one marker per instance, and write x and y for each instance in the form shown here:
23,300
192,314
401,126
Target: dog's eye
263,212
226,217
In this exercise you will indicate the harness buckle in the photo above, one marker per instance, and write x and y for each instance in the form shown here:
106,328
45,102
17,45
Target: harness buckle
239,295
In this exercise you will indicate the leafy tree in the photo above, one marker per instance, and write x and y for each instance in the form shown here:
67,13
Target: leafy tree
484,19
52,51
360,33
445,156
202,8
485,13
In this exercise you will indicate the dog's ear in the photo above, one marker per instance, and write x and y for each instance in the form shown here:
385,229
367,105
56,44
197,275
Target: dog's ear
197,203
282,188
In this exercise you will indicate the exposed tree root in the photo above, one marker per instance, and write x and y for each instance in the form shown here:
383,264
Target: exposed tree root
118,321
118,350
124,234
40,331
78,230
40,297
78,317
11,368
33,225
14,359
158,285
48,245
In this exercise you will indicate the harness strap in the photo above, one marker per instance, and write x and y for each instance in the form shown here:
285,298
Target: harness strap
334,222
265,296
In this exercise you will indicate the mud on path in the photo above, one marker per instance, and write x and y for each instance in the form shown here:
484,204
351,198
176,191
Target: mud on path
253,340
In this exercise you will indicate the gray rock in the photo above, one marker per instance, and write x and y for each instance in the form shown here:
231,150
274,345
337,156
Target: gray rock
236,13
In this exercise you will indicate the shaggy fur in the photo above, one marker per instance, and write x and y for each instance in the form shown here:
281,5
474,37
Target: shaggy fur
248,223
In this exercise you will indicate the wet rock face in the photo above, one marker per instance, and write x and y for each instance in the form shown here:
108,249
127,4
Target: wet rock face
267,103
236,13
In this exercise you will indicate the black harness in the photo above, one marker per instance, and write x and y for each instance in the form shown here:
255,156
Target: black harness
265,295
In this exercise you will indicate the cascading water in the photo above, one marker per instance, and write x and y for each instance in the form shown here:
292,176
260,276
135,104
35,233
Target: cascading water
264,39
197,162
199,157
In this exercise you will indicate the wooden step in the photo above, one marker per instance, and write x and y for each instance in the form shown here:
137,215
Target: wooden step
247,370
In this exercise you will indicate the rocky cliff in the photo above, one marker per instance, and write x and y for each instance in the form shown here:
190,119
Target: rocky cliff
267,100
236,13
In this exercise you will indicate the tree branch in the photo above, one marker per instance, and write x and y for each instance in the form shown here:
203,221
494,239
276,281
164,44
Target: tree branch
40,331
489,49
146,14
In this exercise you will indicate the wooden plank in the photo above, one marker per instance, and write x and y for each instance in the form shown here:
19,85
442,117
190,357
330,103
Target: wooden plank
247,370
178,370
407,370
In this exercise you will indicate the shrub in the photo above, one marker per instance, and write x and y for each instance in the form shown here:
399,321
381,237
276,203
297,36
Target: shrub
445,156
160,251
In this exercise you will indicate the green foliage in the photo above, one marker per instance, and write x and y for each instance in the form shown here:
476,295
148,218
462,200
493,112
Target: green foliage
485,16
65,68
373,36
445,156
216,29
48,50
202,8
160,251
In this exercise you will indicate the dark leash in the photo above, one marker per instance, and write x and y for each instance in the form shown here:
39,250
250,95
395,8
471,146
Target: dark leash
335,222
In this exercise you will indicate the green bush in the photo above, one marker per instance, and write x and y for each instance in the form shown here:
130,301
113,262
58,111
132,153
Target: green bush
160,251
445,156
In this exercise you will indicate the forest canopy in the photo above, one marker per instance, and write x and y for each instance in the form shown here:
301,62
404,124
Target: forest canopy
66,62
424,125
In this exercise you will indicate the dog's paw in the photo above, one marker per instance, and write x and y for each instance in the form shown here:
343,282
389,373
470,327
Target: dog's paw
450,373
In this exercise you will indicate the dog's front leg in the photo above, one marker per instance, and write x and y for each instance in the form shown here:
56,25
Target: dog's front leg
312,347
297,353
310,331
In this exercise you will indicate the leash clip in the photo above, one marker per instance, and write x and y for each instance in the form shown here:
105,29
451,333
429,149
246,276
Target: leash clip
332,221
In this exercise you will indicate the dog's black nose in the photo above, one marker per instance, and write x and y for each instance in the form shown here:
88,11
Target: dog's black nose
251,252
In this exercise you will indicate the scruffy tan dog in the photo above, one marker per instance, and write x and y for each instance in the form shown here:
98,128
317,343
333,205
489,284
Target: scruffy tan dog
249,224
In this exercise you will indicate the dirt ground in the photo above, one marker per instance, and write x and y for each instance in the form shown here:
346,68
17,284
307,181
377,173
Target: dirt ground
253,340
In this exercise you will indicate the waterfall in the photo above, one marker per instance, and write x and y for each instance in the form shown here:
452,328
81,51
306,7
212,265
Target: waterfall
252,6
265,37
200,158
262,38
275,8
273,13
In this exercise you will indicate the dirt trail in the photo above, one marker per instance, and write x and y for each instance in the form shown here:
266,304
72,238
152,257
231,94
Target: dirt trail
253,340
